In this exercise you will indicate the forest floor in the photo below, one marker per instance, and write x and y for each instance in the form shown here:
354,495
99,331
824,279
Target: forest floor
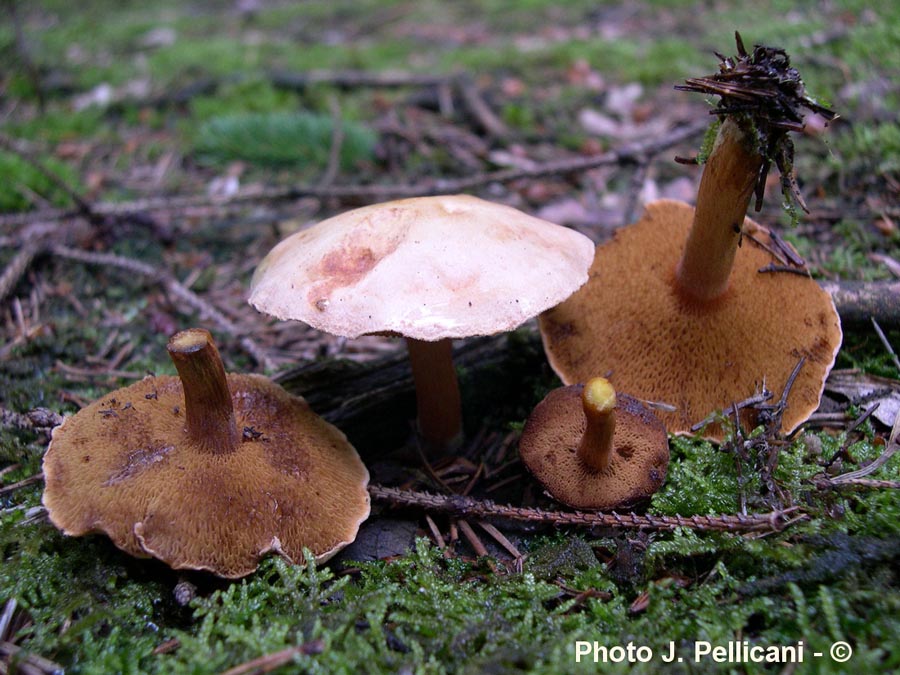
150,156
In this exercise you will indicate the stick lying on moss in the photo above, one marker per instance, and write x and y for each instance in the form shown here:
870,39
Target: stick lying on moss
467,506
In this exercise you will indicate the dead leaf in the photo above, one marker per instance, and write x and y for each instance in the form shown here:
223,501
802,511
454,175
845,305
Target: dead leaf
567,211
596,123
866,390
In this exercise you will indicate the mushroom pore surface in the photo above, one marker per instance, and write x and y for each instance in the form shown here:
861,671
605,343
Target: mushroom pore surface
127,465
638,461
631,321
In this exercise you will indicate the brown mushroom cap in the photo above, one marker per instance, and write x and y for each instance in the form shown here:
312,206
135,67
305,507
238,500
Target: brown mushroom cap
630,323
125,466
427,268
639,458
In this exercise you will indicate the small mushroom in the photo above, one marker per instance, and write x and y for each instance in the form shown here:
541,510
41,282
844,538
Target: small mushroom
206,470
430,269
594,449
683,307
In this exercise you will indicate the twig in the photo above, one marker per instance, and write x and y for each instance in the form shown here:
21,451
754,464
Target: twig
823,419
754,400
37,663
337,142
355,78
624,155
25,482
18,266
842,451
870,483
866,470
739,446
6,618
472,538
479,109
435,532
166,647
886,343
171,286
11,146
76,374
772,267
857,423
501,539
467,506
783,247
776,412
642,167
269,662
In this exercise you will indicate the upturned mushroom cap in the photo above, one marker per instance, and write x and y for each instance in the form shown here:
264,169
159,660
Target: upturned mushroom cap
638,461
630,323
427,268
125,466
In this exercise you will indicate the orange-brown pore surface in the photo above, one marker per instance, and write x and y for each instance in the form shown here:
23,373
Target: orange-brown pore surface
638,462
631,324
124,466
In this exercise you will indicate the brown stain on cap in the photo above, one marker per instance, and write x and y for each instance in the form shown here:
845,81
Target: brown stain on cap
359,252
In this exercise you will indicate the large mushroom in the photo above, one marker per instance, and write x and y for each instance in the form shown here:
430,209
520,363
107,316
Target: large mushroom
430,269
206,470
683,307
595,449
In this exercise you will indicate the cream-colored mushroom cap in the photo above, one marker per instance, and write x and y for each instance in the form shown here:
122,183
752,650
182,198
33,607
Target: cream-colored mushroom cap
427,268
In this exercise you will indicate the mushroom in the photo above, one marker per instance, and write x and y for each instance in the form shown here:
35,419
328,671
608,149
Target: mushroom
206,470
678,308
594,449
430,269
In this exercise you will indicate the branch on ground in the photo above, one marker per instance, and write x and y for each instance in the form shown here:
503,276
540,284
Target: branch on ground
460,506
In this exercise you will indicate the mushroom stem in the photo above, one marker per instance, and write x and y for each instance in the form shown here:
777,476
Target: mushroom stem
726,186
437,393
598,399
209,412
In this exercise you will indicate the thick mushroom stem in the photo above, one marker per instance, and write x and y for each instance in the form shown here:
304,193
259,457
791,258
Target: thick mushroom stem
437,393
599,401
209,412
726,186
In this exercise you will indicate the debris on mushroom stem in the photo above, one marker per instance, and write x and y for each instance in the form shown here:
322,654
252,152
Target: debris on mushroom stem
673,300
767,97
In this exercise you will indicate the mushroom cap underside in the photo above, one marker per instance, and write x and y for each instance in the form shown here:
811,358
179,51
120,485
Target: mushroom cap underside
639,458
630,324
427,268
124,466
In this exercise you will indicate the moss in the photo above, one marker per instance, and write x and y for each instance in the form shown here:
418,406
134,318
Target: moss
298,140
701,480
866,353
564,558
21,182
95,610
244,96
429,613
